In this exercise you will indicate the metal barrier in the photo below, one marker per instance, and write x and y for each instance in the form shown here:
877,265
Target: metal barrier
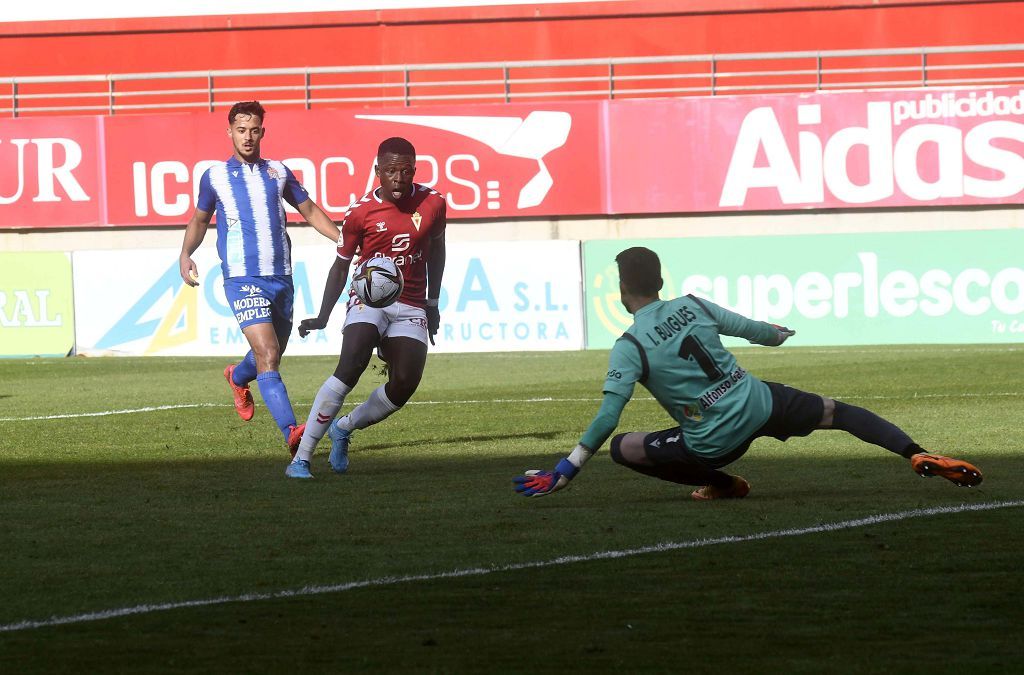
514,81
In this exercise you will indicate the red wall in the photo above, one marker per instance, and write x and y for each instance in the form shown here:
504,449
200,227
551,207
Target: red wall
641,28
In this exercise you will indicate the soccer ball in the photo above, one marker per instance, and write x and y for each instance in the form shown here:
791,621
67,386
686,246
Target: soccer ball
378,282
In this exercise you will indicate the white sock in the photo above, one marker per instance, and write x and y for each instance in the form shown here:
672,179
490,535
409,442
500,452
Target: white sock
376,407
325,406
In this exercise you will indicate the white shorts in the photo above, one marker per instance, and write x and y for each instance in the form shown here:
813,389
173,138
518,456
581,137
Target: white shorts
396,320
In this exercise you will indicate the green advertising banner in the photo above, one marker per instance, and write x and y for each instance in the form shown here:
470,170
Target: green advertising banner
839,289
36,309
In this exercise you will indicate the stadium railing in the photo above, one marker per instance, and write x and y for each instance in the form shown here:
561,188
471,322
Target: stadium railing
517,81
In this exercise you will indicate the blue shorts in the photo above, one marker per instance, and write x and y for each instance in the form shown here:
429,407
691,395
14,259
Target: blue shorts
261,300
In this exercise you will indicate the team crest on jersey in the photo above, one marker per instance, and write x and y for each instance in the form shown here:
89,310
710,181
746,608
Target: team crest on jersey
272,172
416,220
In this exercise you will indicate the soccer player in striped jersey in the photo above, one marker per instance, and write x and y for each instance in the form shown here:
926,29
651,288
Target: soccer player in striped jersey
674,350
404,221
246,192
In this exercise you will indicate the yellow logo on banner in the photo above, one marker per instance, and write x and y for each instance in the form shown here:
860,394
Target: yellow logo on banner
606,302
609,311
180,324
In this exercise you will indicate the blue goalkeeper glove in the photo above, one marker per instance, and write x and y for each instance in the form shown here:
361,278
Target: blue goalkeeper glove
536,483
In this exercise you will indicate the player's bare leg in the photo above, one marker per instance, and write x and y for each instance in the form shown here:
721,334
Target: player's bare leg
267,347
406,358
356,349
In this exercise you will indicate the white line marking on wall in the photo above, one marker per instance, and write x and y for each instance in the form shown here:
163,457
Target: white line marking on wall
480,571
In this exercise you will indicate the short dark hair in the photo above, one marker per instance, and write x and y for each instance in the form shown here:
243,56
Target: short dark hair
246,108
396,145
640,270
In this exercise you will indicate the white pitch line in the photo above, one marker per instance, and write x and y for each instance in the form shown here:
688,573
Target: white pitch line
542,399
105,413
475,402
480,571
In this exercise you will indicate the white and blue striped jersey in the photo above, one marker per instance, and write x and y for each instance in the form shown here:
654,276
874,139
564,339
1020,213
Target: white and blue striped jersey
251,237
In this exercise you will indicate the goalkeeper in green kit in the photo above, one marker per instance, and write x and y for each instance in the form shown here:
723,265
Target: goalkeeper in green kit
674,350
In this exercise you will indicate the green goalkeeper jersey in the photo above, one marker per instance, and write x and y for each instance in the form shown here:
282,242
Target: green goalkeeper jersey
674,350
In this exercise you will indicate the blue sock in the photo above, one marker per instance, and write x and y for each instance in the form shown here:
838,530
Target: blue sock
276,397
245,371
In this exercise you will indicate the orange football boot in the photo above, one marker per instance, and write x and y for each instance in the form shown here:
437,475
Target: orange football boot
956,471
738,489
295,437
243,397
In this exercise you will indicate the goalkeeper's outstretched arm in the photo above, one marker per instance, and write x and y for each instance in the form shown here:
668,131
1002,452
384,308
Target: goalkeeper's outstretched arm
537,483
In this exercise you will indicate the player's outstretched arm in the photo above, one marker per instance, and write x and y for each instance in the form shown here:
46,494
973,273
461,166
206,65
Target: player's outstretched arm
737,325
316,217
332,291
195,231
537,483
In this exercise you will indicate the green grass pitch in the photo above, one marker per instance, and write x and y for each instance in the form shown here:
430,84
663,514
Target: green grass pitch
422,559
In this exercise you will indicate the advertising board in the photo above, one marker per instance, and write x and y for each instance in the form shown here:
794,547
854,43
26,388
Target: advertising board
842,289
496,296
36,306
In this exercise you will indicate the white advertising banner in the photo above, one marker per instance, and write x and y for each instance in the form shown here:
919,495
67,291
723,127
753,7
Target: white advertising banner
496,296
135,303
511,296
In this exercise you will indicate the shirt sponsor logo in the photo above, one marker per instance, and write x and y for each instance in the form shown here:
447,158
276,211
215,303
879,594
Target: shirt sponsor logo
713,396
254,306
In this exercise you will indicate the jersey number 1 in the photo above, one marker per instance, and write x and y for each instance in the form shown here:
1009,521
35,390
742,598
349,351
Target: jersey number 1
693,349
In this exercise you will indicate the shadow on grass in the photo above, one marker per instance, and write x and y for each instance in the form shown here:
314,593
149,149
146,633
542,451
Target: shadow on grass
149,532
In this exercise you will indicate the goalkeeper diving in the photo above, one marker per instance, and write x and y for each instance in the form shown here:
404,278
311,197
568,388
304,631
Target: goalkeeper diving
675,351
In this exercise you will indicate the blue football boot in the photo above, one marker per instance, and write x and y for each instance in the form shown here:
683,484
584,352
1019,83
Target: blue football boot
339,447
299,468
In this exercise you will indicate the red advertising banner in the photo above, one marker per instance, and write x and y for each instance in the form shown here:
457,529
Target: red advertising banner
915,148
50,174
487,160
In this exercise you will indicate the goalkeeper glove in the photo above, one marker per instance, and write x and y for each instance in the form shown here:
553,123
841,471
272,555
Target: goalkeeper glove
784,333
536,483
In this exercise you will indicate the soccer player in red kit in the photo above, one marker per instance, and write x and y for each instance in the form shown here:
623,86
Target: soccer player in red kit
404,221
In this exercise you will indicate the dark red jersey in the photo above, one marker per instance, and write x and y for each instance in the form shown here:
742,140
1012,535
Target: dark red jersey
402,232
